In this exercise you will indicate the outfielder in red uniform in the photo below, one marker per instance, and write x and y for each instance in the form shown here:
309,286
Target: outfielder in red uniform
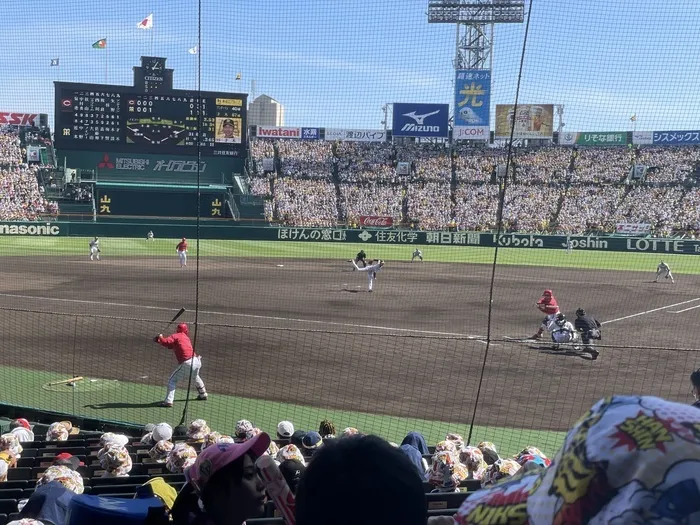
187,360
547,305
182,252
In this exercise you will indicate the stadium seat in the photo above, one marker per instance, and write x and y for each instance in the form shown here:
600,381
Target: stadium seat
131,480
471,485
19,473
265,521
25,462
3,519
10,493
172,478
152,469
12,517
16,484
100,490
70,443
446,512
52,452
29,453
442,501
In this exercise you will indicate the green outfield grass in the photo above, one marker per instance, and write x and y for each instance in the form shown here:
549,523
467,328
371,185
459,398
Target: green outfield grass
117,247
134,403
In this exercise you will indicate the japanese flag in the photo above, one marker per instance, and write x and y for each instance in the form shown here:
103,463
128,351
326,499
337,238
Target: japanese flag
146,23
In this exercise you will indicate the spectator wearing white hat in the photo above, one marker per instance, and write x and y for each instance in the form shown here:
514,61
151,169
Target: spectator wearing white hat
285,429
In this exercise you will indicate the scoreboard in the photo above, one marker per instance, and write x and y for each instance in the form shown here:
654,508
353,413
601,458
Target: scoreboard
97,117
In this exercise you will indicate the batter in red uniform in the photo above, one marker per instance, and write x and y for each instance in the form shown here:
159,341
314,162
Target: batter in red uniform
547,305
182,252
187,360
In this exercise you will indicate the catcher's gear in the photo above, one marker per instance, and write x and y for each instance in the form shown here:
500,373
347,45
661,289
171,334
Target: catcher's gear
560,319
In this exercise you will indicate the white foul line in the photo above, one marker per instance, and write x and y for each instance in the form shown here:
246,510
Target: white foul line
650,311
686,309
249,316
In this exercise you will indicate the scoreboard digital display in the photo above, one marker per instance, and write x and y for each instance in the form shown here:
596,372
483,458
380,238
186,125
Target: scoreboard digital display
176,122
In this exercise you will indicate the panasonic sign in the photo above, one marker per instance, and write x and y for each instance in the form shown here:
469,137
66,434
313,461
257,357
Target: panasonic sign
30,229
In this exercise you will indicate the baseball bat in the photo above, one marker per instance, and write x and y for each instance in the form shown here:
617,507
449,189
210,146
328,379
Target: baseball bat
177,315
71,380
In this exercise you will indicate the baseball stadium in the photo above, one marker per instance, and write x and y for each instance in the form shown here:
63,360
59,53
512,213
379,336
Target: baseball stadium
283,228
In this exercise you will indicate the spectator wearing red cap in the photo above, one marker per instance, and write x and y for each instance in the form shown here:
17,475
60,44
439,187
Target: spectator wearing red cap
22,429
189,363
68,460
223,487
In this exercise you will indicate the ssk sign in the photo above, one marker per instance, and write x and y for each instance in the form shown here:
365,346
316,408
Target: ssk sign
19,119
372,221
420,120
279,132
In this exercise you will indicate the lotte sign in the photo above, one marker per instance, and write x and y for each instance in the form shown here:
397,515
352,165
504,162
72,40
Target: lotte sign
373,221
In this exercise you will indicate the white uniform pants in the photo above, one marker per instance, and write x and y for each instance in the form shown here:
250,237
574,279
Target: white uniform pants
182,373
664,273
183,258
94,253
370,277
562,336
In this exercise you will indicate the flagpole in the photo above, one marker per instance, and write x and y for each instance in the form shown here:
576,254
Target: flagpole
105,65
152,41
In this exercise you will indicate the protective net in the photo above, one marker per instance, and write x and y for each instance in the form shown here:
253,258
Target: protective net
532,146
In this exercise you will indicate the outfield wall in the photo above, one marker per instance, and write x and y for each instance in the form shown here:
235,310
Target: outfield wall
224,231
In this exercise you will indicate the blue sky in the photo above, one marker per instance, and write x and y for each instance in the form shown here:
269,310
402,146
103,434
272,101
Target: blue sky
335,63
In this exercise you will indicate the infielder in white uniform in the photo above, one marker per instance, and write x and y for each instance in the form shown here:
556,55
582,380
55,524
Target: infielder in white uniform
149,236
418,254
569,246
371,270
562,330
664,270
95,249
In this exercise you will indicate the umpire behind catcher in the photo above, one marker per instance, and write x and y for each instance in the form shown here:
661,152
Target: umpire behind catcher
590,329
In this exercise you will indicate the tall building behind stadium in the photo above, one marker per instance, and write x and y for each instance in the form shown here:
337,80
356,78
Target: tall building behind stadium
265,111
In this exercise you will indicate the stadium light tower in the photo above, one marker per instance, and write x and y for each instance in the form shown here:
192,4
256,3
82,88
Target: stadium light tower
475,21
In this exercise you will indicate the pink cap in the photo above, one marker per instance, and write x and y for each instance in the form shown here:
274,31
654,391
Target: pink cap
217,456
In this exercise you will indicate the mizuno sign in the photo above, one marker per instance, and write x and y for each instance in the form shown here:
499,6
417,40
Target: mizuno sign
420,120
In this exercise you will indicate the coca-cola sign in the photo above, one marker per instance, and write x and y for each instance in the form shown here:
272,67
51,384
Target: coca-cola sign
373,221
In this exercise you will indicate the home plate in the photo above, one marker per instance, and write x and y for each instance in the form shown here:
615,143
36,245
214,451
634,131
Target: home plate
280,266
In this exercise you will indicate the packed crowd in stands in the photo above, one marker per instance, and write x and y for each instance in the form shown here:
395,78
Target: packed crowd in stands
195,475
554,189
20,195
